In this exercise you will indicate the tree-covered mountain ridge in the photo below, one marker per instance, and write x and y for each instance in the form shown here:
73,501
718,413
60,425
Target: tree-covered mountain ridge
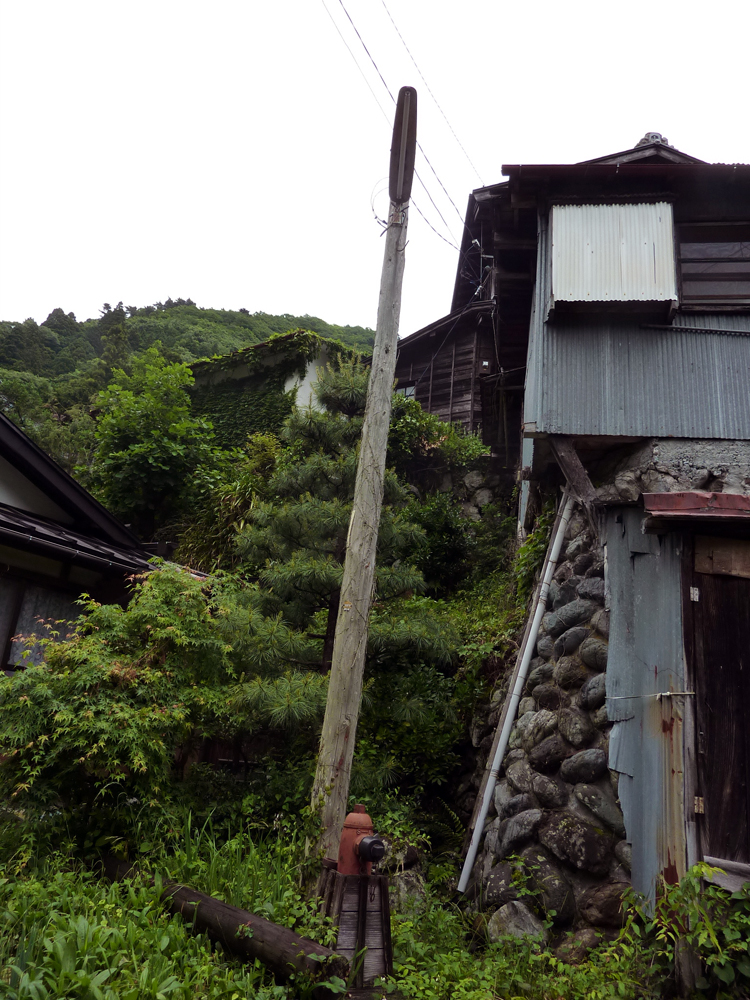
187,333
51,374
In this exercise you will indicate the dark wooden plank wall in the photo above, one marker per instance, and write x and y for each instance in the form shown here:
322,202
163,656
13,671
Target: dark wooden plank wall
447,373
721,674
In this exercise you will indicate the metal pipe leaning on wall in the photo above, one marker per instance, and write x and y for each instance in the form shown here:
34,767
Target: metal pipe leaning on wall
514,696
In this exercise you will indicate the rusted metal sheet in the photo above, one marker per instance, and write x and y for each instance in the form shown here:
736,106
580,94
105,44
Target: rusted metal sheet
646,696
722,556
613,253
697,503
621,379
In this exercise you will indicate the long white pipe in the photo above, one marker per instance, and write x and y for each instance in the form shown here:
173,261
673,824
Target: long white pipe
515,697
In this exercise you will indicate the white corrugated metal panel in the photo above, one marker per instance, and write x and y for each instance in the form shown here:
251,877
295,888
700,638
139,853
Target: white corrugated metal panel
613,253
627,380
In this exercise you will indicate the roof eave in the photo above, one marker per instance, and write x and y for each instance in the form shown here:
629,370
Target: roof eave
47,475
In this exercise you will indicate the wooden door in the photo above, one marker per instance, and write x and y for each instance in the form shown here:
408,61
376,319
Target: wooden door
720,626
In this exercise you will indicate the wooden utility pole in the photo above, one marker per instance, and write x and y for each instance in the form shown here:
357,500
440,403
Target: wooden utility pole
331,786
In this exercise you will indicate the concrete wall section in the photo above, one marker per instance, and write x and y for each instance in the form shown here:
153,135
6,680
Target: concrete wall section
304,385
645,672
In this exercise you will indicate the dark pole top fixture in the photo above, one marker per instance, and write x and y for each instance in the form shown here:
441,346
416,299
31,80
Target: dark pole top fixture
404,146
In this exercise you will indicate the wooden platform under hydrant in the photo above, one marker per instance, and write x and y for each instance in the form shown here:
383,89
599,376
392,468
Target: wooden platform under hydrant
359,905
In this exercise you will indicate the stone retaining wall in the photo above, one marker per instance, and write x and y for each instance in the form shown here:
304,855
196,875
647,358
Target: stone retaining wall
555,805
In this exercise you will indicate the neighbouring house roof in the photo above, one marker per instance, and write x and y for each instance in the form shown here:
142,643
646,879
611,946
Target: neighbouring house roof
657,150
35,486
302,344
43,535
446,323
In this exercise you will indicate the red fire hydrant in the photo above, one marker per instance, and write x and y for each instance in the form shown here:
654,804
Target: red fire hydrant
359,845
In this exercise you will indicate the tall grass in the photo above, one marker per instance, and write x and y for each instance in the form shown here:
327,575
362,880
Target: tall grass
64,932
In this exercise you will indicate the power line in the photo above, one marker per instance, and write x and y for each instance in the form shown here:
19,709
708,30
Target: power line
385,115
348,49
421,150
429,91
419,145
377,68
439,349
450,244
426,191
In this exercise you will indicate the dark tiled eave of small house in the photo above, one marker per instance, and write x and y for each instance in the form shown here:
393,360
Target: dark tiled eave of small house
28,531
87,514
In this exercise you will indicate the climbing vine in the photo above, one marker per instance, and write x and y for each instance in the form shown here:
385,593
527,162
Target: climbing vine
256,401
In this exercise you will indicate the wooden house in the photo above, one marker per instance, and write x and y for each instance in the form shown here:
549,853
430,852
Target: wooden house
617,292
56,543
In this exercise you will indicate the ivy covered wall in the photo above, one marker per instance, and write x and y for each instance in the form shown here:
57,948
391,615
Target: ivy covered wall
254,389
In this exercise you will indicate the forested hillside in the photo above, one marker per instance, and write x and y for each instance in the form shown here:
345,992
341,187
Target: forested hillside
51,373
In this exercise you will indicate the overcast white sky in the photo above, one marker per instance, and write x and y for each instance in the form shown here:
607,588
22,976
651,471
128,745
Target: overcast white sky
228,151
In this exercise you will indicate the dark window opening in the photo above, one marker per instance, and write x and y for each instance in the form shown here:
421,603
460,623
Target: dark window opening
715,263
409,391
25,610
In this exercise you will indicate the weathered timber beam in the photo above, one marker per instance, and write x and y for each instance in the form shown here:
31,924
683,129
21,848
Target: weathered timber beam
572,467
249,936
244,934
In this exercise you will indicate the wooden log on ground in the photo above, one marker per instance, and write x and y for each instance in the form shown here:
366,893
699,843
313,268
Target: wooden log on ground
242,933
249,936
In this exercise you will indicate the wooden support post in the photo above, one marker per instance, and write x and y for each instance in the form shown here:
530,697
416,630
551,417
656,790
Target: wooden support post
567,458
331,785
242,933
453,371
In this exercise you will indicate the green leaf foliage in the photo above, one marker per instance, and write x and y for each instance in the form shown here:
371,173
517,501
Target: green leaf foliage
148,444
420,441
115,705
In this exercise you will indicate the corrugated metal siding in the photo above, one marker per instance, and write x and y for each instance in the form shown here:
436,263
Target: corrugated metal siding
613,253
646,658
626,380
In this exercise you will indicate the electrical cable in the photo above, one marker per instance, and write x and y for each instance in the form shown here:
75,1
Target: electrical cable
381,222
419,145
348,49
437,105
421,150
377,68
414,205
419,210
426,191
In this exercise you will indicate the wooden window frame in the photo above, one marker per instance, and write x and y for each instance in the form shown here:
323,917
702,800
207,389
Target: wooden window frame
688,234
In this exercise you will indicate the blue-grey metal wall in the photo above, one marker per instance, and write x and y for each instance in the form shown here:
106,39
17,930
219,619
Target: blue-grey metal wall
621,379
613,376
645,696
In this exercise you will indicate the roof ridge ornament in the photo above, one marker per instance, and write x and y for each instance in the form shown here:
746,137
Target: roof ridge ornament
652,137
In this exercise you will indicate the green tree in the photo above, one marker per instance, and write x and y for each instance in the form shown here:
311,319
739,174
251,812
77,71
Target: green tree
28,347
115,707
295,540
23,397
148,445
